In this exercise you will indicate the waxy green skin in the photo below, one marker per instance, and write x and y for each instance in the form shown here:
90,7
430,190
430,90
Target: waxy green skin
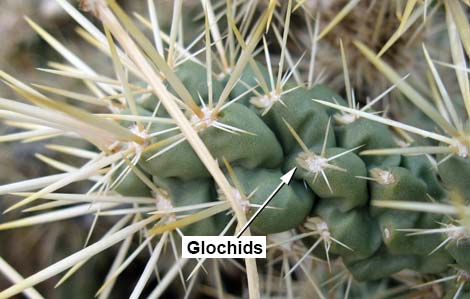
324,93
131,184
421,167
421,246
199,191
350,228
403,187
347,190
368,135
194,78
436,263
246,150
459,249
307,118
454,173
380,265
179,162
289,207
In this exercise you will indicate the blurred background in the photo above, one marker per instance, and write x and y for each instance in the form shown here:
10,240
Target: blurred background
22,51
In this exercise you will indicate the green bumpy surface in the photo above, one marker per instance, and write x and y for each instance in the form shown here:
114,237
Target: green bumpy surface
182,162
343,187
194,192
292,203
308,118
370,240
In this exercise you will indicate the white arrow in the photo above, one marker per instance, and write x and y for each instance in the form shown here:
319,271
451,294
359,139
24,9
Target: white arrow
285,180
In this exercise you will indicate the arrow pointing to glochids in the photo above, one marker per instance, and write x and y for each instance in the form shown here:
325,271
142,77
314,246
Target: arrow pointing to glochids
285,180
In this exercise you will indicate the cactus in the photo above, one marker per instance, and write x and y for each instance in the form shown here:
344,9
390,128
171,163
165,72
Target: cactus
201,152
